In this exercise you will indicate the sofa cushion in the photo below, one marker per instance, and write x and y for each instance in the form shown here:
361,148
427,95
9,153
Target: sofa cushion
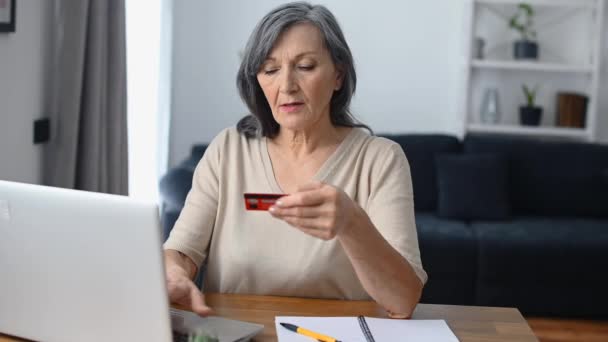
421,150
449,256
472,187
550,178
174,186
544,266
168,220
196,153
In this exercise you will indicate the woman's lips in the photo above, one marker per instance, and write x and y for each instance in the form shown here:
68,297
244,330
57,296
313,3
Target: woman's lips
291,107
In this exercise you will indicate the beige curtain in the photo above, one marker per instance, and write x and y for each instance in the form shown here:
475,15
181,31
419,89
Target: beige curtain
88,97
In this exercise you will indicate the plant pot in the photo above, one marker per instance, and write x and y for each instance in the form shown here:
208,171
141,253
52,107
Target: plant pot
530,116
525,49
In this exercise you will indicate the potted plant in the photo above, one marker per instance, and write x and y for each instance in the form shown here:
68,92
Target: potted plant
530,114
526,47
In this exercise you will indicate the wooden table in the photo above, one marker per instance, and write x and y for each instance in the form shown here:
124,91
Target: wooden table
469,323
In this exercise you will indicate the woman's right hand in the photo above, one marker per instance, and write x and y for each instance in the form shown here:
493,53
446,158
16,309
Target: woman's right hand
184,292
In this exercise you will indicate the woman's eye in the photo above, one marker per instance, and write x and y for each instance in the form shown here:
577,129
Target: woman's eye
306,67
270,71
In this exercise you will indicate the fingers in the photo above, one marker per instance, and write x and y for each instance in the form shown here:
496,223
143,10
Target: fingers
303,222
319,227
313,210
280,212
197,302
312,185
182,291
310,197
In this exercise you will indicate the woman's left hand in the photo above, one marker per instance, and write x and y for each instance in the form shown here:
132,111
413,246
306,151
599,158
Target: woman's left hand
317,209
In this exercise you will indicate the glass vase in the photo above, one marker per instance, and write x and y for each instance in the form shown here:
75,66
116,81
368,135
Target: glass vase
490,107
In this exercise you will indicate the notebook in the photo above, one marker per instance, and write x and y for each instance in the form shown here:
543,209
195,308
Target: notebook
365,329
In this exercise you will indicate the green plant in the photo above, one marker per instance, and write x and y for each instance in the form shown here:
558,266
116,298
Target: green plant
525,27
202,335
202,338
530,95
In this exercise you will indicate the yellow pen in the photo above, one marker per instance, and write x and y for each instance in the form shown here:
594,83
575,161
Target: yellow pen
306,332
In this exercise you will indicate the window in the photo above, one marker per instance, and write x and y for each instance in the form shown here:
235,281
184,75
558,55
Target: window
148,25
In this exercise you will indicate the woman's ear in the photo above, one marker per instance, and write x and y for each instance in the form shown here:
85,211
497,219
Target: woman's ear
339,79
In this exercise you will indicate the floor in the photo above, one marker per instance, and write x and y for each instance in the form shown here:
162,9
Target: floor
561,330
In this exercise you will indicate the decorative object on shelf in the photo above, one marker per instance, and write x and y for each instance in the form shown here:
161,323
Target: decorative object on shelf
530,114
526,47
490,110
571,29
571,110
479,45
7,15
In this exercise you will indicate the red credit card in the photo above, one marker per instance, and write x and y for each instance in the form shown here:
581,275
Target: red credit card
260,201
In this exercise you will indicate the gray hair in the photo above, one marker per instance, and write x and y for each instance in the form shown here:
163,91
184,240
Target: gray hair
261,121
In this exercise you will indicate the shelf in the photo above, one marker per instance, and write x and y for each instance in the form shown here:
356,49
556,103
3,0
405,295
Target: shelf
555,3
572,35
530,66
578,133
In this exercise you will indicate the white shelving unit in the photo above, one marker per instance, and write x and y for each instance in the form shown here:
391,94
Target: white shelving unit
533,66
562,3
570,42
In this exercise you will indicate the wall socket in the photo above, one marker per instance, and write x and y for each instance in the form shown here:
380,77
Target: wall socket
42,130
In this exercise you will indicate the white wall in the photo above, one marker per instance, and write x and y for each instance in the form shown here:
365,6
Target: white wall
406,54
22,77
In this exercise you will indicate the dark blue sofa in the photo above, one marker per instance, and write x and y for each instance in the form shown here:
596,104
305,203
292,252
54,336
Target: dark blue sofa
548,257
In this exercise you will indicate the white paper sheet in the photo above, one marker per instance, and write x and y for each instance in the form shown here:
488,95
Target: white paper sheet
347,329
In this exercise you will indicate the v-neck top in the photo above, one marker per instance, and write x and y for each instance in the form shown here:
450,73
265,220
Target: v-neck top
321,175
251,252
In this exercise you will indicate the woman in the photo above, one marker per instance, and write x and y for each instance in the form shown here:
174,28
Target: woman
346,230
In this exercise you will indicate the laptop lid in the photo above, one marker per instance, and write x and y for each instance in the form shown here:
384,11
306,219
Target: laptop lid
80,266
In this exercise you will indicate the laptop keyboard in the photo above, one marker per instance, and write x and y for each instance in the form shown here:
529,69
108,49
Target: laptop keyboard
179,337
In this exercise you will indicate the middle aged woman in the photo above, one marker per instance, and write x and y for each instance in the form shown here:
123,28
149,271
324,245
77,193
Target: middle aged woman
346,230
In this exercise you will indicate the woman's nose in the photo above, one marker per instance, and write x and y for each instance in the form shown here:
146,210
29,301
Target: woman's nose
288,82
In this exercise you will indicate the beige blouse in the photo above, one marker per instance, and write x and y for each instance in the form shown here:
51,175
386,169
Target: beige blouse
250,252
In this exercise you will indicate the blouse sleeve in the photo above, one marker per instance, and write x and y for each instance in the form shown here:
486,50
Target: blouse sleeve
391,206
192,231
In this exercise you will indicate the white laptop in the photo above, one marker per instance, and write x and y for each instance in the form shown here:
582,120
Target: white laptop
83,266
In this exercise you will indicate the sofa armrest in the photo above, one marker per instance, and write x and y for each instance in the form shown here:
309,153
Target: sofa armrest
174,187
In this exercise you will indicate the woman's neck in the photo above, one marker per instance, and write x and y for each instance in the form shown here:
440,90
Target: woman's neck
299,144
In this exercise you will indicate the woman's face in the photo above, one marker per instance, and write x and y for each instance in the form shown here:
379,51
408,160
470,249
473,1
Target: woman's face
299,78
